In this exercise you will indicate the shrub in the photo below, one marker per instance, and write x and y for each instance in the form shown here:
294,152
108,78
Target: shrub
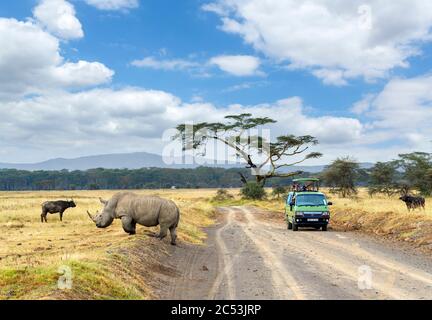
254,191
222,195
279,192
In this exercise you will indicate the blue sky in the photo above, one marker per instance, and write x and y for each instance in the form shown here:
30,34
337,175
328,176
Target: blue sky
117,38
314,63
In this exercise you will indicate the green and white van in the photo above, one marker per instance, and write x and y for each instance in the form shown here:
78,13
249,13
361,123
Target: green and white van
306,206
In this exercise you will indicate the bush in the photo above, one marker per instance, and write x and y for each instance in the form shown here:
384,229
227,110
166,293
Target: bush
279,192
222,195
253,191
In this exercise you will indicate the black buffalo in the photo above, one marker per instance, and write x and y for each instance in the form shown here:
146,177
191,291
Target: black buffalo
413,203
55,207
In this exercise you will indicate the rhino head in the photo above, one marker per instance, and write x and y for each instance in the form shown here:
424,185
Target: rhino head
103,219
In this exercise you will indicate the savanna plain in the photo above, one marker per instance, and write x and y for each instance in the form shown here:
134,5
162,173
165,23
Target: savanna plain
109,264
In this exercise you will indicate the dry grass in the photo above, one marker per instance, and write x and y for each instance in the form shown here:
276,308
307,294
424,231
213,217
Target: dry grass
32,252
385,216
379,215
109,264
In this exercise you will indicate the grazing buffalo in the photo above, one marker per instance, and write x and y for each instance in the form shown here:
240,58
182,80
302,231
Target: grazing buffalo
55,207
134,209
413,203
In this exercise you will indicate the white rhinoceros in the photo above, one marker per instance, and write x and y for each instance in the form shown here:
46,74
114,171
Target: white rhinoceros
148,211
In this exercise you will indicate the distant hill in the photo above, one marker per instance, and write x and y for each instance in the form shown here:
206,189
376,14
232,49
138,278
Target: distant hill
107,161
126,161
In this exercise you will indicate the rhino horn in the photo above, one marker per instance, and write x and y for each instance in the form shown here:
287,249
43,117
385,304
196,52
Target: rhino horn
91,217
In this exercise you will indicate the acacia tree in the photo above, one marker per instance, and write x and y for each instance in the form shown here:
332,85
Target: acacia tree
383,179
417,169
341,176
235,134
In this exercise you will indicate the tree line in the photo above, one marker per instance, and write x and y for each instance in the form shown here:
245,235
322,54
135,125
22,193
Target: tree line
266,164
407,174
110,179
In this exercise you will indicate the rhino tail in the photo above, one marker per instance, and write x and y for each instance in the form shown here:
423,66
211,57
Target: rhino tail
178,217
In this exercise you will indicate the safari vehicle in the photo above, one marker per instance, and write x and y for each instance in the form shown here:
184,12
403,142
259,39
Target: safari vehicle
306,206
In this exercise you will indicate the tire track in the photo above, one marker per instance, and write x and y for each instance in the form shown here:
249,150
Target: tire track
249,258
225,263
384,262
285,284
347,259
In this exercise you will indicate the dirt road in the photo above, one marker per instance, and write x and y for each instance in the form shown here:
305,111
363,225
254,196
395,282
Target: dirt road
249,256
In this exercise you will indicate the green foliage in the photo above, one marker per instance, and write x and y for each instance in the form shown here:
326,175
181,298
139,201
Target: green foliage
222,195
234,134
121,179
279,192
384,179
341,176
253,191
410,171
417,169
93,186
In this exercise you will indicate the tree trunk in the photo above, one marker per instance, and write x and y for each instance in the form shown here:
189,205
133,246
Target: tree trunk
261,180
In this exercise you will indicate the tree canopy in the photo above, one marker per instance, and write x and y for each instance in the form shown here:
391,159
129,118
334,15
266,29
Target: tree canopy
341,176
116,179
384,178
417,168
265,159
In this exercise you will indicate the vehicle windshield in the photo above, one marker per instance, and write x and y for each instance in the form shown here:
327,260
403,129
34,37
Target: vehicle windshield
311,200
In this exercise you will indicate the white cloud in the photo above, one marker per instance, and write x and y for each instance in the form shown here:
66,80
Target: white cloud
239,65
82,74
401,114
292,118
331,76
133,119
41,119
239,87
363,105
217,8
404,105
58,17
246,86
31,63
335,40
112,5
168,65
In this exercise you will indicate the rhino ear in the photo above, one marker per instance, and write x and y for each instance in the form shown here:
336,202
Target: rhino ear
104,202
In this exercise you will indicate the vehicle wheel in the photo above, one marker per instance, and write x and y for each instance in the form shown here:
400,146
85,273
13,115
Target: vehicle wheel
290,226
295,226
324,228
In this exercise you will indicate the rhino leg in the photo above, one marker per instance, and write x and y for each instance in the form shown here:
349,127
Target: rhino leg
173,233
163,232
129,225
